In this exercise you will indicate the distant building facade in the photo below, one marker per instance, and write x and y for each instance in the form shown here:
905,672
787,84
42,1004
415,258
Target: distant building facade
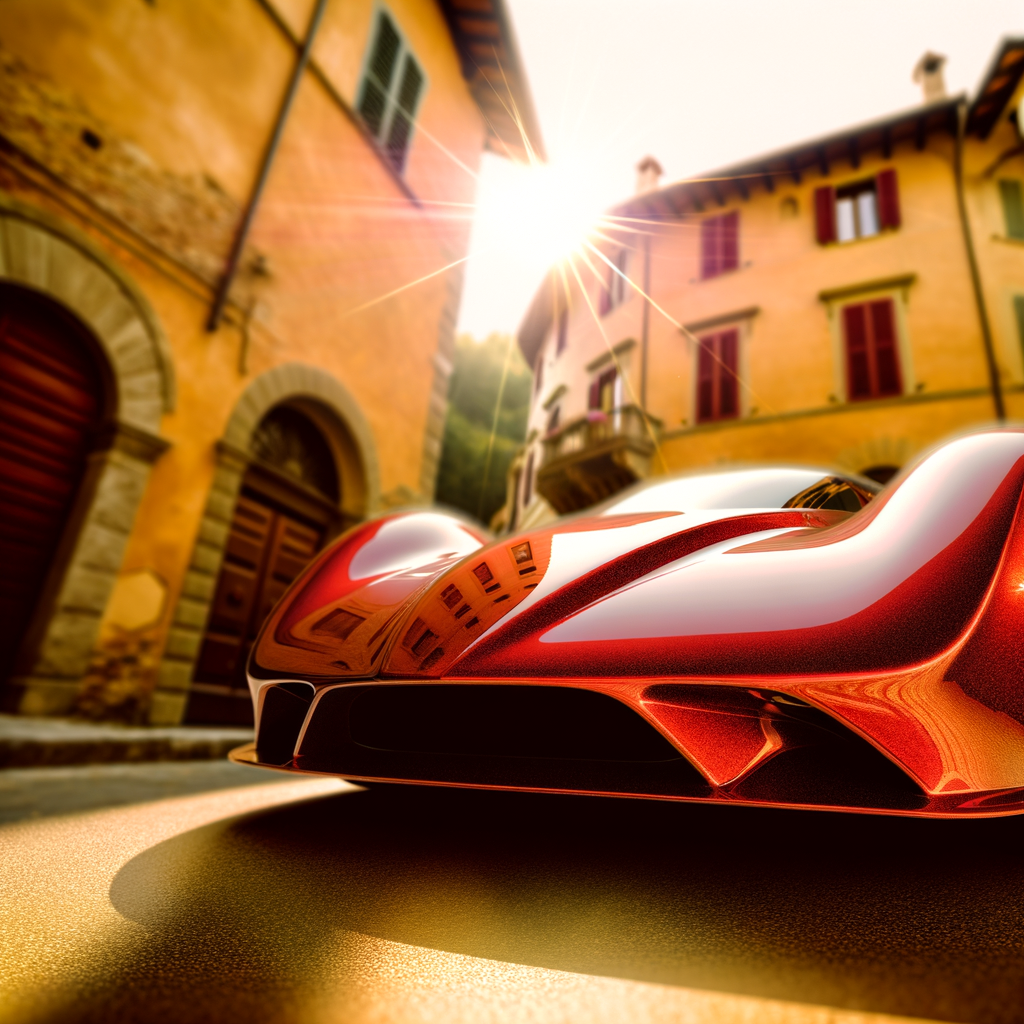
197,204
845,302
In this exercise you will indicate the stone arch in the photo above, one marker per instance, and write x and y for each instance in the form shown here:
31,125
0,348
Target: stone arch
330,404
39,252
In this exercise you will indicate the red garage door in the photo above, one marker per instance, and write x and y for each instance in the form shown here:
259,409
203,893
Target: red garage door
50,405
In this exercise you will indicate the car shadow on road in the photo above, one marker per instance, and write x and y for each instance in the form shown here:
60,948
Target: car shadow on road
906,916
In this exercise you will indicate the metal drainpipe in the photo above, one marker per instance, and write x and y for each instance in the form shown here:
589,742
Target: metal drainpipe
972,260
242,234
645,324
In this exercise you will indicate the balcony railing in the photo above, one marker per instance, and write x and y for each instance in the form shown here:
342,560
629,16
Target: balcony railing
596,456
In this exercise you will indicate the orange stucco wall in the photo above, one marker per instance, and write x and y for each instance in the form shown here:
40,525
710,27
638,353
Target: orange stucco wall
185,96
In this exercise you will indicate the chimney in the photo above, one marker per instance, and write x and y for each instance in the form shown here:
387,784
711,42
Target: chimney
928,75
648,173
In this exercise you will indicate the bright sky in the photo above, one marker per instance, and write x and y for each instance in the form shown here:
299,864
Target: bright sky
697,84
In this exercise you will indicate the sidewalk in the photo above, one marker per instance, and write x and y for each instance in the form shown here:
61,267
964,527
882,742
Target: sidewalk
38,742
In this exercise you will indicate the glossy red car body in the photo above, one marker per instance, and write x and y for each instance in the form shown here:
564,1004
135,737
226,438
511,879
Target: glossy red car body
696,640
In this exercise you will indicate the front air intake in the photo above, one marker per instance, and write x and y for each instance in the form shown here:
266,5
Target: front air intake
544,737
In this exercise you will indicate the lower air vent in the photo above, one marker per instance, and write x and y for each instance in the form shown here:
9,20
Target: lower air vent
535,737
285,706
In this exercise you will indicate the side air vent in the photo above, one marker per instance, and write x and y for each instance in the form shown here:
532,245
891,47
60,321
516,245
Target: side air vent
285,706
842,771
759,744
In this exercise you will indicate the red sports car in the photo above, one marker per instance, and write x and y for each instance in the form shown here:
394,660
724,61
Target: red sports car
771,636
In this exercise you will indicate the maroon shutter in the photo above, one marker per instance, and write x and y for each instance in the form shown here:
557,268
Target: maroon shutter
825,214
706,380
858,367
883,330
594,401
730,240
888,199
728,389
709,259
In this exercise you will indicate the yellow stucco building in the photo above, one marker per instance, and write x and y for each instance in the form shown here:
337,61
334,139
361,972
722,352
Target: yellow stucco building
847,302
198,204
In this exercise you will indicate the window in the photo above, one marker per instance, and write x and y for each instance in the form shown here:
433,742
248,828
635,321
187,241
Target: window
616,289
538,373
719,244
860,209
528,482
390,92
718,376
1013,208
872,362
1018,309
604,392
563,332
856,211
553,419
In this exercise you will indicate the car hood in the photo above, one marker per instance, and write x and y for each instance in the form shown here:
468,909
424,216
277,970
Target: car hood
707,592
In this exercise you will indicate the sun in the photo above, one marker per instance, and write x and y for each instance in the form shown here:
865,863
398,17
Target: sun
539,212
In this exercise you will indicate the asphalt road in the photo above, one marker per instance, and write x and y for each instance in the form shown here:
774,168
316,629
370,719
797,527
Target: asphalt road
313,901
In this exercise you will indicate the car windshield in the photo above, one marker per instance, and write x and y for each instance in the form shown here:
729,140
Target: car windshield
770,487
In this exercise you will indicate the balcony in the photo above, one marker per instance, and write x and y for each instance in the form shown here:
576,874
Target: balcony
594,457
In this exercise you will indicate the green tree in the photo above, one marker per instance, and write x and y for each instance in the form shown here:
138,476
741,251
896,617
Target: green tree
465,480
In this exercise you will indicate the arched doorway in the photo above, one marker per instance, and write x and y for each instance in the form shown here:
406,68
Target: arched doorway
53,397
287,508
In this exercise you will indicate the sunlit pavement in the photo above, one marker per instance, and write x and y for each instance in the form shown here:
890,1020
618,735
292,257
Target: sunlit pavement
315,901
41,792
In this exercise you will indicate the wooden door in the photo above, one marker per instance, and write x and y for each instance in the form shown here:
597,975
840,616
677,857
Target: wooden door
266,550
50,406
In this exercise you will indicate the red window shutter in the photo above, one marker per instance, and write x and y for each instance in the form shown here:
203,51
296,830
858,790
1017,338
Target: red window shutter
730,240
883,331
594,399
825,214
710,263
706,380
888,199
728,384
857,358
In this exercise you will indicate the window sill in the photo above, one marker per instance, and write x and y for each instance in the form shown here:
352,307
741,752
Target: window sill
1008,240
884,233
724,273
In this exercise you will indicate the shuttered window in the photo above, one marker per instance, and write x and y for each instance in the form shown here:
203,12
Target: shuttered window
1013,207
602,392
860,209
563,332
717,376
719,244
390,92
615,288
1018,309
872,361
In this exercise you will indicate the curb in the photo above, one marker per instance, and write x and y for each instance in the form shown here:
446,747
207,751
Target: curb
45,742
